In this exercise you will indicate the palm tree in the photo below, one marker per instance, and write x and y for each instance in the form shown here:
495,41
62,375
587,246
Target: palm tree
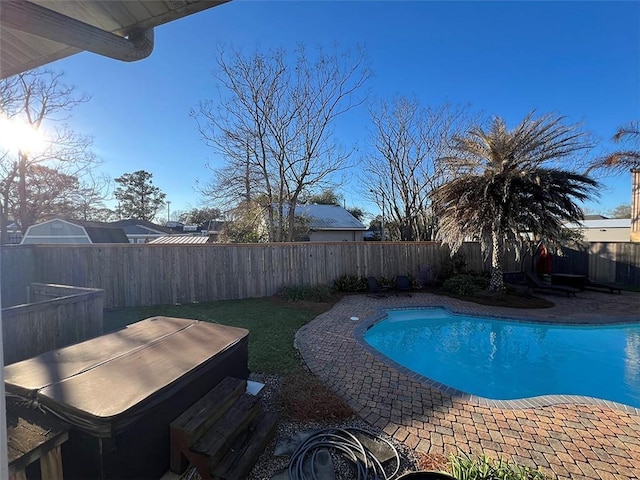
508,184
623,160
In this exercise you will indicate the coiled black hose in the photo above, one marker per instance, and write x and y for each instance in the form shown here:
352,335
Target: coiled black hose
342,440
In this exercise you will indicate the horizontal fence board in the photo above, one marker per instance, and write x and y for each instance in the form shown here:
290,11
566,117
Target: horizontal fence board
137,275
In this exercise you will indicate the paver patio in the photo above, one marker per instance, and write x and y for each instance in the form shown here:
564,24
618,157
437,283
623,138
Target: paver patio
574,439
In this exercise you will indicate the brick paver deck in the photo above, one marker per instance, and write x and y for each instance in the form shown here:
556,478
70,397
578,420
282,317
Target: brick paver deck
573,439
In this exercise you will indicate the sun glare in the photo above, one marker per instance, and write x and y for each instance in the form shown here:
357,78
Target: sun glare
19,136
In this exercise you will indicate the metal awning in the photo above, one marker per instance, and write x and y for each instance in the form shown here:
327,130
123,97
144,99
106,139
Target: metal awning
36,32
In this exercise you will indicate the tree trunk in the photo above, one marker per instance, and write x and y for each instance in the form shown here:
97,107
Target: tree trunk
3,225
497,282
22,192
271,220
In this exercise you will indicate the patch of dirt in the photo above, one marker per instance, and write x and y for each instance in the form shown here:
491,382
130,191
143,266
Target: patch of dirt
509,299
432,461
303,398
512,298
315,307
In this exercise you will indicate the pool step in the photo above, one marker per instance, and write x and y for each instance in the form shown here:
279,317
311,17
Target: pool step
222,434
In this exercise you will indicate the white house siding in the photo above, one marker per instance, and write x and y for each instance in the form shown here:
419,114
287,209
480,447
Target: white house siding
336,236
55,231
604,229
606,234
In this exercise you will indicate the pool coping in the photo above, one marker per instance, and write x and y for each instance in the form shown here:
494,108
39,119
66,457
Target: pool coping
530,402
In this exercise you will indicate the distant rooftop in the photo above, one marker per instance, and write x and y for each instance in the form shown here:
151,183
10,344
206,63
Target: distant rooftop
329,217
140,227
181,240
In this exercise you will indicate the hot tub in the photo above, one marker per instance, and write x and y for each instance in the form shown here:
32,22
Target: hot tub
120,391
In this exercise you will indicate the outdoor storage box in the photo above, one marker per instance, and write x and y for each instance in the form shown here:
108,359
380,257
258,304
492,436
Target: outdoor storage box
119,392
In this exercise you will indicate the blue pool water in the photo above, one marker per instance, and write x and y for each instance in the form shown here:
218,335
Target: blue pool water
506,360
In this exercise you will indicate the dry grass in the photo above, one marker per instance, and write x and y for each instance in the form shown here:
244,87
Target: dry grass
303,398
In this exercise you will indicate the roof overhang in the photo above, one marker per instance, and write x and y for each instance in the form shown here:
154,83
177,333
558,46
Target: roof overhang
36,32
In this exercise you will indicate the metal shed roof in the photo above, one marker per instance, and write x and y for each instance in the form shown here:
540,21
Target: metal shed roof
329,217
36,32
181,240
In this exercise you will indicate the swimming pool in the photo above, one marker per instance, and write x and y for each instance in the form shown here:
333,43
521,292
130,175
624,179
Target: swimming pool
506,359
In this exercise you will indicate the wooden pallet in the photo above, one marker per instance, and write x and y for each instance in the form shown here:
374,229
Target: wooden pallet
222,434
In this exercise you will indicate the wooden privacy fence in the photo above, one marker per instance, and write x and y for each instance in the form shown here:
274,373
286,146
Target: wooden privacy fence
58,315
615,262
602,262
136,275
18,271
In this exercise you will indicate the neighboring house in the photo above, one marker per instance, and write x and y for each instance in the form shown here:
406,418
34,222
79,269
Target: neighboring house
61,231
179,227
331,223
374,234
212,229
141,231
14,235
181,240
604,229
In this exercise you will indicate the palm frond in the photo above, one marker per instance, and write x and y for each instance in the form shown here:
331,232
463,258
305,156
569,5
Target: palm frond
617,162
632,129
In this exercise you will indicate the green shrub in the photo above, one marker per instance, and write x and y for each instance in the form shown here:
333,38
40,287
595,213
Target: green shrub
314,293
465,285
319,293
350,283
464,467
451,266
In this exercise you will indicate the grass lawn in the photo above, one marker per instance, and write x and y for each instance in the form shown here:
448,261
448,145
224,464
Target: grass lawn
272,323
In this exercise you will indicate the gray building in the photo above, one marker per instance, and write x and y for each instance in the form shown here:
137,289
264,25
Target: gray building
59,231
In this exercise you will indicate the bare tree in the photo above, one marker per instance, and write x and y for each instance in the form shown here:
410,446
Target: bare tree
39,101
404,169
274,127
621,211
244,224
200,216
49,194
87,201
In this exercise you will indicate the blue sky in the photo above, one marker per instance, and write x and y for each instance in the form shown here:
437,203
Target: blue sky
578,59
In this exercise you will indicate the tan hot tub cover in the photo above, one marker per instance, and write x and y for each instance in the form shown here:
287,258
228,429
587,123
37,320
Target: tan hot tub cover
105,384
